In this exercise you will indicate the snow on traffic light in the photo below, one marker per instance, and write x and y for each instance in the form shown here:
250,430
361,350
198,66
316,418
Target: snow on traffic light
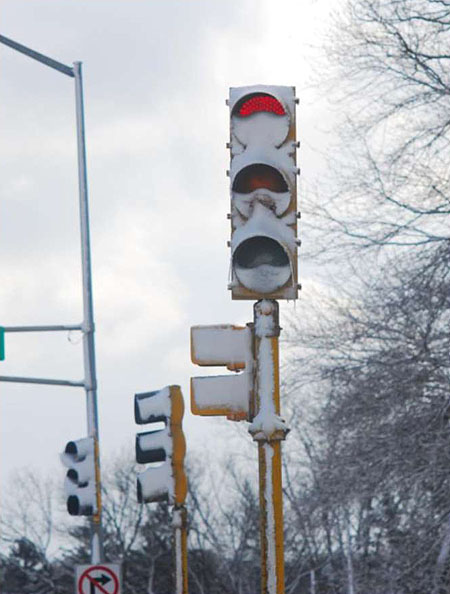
164,448
80,482
263,177
229,395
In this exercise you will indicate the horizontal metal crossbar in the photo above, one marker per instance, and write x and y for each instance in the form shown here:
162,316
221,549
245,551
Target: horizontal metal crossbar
37,56
58,328
36,380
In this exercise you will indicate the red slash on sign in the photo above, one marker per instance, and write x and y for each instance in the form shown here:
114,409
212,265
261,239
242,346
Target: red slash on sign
98,579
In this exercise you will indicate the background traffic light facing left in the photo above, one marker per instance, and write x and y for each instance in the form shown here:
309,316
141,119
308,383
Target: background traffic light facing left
79,485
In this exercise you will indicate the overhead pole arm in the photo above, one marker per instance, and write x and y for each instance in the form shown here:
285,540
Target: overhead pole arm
37,56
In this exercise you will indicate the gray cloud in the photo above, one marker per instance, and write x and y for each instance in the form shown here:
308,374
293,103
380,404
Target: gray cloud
156,78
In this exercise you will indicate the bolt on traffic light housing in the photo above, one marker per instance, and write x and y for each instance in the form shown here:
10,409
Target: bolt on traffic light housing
263,180
80,482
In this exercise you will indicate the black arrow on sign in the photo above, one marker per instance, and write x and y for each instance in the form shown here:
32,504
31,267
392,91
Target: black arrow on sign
102,579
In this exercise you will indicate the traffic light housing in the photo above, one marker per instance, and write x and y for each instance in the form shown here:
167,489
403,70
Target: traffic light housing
166,446
80,482
263,187
229,395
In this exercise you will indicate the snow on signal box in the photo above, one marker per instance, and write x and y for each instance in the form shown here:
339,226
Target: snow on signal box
165,446
229,395
263,177
80,483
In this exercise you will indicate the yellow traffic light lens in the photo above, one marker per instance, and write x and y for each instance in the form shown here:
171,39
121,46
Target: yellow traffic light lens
258,176
261,264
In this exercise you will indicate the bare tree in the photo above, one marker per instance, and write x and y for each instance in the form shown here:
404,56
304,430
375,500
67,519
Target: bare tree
28,536
390,84
378,448
223,541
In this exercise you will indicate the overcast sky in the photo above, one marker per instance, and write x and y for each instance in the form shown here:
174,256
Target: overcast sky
156,76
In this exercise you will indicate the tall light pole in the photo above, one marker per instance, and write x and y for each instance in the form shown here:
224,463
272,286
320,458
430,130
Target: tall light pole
87,327
88,311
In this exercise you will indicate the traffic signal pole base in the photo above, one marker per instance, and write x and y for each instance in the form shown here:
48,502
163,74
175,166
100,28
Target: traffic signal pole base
269,429
97,553
97,549
271,518
179,522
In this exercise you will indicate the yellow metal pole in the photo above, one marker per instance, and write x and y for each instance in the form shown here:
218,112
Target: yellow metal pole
271,505
268,429
97,552
179,521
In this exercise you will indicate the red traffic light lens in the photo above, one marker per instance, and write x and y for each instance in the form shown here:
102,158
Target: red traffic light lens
260,102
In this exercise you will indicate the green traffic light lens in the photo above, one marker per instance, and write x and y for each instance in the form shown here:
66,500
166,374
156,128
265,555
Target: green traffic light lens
261,264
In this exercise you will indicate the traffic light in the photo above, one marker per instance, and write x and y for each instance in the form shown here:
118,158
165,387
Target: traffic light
263,178
229,395
165,446
80,484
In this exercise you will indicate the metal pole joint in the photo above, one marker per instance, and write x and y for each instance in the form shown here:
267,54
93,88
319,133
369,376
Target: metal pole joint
90,386
266,318
87,328
267,425
276,436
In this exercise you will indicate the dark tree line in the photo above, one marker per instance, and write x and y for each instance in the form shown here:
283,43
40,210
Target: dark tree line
223,550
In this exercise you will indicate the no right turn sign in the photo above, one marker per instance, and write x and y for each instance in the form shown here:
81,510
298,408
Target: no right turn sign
98,579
